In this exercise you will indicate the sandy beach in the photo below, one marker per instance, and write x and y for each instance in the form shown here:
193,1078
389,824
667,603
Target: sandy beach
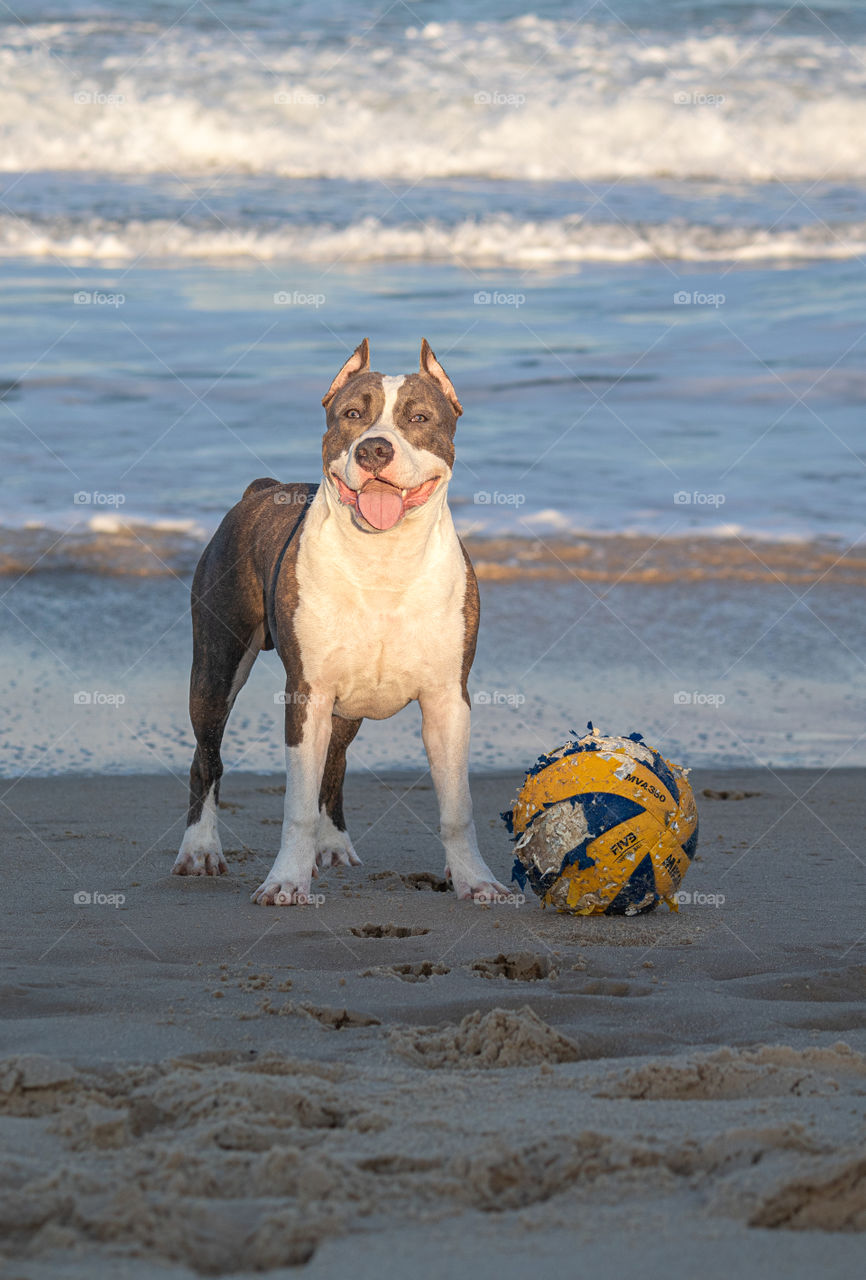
395,1082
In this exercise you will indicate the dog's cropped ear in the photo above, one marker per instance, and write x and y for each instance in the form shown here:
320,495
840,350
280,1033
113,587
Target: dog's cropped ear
431,366
358,362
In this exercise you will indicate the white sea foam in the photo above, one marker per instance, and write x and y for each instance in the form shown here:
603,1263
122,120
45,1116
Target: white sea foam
496,240
187,535
529,98
114,524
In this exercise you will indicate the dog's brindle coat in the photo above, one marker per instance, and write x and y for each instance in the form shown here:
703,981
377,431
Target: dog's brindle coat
366,592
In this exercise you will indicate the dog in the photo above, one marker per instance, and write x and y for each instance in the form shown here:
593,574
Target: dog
366,592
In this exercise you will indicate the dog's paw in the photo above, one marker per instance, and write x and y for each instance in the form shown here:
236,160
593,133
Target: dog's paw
478,890
333,846
199,862
487,891
281,893
337,856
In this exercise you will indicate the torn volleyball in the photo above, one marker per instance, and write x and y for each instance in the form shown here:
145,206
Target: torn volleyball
604,826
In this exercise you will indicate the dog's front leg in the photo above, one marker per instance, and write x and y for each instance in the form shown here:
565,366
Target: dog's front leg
308,732
445,731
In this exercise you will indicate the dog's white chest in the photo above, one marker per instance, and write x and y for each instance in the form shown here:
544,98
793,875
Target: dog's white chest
376,635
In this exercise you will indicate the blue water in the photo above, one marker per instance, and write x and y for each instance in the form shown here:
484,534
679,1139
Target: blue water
589,406
636,238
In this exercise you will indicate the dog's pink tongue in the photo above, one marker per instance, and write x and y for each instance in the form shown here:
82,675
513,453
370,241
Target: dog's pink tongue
380,504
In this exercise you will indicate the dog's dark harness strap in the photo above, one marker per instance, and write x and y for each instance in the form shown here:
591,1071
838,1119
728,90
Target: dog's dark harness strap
271,592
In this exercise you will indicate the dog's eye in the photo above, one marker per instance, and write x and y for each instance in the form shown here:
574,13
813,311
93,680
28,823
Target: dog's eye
352,413
418,417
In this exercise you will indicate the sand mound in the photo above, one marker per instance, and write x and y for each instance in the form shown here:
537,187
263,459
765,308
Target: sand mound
502,1177
833,1198
766,1072
500,1038
222,1163
423,971
337,1019
741,1147
32,1084
182,1162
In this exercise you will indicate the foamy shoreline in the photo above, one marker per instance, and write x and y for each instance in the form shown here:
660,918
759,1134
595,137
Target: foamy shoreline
544,549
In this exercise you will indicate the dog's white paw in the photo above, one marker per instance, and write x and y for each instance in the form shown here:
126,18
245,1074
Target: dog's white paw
487,891
333,846
337,858
281,893
199,862
483,889
333,855
201,853
287,884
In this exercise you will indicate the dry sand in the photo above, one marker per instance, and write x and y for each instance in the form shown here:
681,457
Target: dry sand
396,1083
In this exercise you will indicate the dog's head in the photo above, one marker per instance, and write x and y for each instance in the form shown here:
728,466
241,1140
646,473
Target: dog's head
389,443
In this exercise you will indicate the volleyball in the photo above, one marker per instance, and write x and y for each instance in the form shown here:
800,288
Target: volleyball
604,826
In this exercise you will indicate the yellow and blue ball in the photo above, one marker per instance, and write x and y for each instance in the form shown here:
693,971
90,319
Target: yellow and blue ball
604,826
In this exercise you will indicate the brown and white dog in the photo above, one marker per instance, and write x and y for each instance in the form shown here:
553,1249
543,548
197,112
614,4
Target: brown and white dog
364,589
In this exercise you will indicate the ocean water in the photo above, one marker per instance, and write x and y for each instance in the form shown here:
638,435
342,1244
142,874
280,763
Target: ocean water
634,234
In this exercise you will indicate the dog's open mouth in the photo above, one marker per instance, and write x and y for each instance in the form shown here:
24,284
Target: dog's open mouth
382,504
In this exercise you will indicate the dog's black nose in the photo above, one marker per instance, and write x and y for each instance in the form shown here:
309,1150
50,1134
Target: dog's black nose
374,454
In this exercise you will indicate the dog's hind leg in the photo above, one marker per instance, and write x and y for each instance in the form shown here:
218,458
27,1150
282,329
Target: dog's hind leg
223,656
333,846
